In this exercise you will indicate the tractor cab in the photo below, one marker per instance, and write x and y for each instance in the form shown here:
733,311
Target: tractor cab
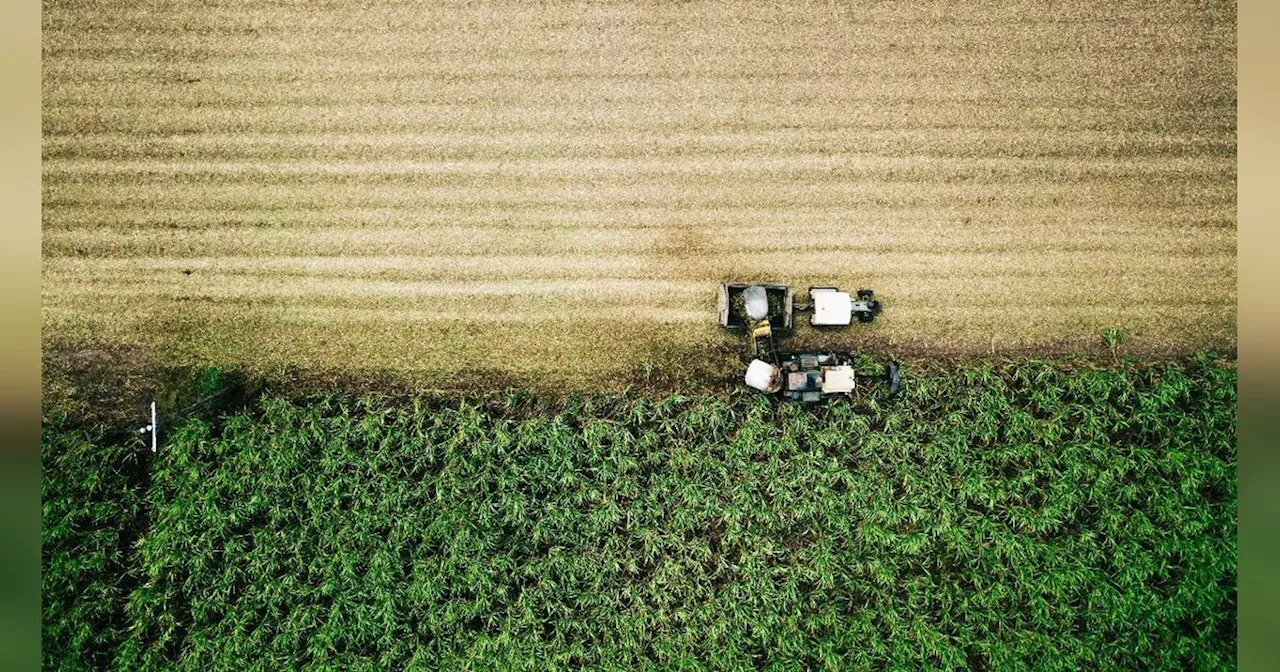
834,308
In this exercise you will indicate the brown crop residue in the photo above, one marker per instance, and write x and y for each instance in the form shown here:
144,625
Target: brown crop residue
554,190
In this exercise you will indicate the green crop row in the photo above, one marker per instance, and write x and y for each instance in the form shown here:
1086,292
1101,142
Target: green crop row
1004,516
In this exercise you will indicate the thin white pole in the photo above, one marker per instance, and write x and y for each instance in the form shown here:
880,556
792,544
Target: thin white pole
153,427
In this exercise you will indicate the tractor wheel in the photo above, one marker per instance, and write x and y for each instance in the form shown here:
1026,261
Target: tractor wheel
864,294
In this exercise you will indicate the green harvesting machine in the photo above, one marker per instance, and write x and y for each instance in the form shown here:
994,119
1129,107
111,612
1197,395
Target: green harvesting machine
763,310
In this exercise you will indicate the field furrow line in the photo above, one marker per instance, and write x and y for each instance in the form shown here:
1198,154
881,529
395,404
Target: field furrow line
817,167
640,144
926,222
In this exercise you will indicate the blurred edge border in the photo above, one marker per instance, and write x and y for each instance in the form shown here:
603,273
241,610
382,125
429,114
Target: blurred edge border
20,336
1258,154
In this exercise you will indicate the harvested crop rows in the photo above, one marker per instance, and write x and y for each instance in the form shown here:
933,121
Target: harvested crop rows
558,187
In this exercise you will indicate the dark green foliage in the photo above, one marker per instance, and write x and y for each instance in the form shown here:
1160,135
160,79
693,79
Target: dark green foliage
210,380
1113,338
92,512
997,517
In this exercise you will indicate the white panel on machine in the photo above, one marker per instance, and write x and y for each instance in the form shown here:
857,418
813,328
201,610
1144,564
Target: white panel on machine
837,379
832,309
756,300
763,376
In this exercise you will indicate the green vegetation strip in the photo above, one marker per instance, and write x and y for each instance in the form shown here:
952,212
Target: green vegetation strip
1012,516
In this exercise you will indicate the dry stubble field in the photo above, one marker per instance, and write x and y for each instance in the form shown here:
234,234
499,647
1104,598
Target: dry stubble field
556,188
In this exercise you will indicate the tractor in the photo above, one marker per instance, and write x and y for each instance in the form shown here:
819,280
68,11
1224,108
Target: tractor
763,310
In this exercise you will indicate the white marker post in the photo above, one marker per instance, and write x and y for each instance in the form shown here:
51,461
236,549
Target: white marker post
151,427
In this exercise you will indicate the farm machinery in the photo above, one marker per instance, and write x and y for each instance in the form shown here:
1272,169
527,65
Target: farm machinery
762,310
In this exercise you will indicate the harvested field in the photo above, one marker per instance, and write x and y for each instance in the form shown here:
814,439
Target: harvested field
558,187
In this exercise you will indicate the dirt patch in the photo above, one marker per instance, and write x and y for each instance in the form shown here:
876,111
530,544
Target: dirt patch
682,251
100,385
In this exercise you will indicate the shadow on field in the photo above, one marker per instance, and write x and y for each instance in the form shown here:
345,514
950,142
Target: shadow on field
95,384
